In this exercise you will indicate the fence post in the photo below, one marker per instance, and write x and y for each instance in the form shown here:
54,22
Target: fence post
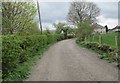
116,41
100,39
85,39
93,38
118,50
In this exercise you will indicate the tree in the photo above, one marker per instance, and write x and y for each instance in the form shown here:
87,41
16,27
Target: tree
81,11
0,18
46,32
85,29
61,27
17,16
72,31
33,29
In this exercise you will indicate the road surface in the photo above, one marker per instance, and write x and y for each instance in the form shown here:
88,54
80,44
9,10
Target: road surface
66,61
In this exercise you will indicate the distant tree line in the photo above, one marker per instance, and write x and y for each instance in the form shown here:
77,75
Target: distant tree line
82,15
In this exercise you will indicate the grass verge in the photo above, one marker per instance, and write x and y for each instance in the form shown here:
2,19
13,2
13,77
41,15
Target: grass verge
101,54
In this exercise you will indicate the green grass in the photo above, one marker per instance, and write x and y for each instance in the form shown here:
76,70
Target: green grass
22,71
107,39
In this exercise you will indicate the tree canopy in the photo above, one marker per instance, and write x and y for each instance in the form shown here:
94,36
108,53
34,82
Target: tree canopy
85,29
18,17
62,27
82,11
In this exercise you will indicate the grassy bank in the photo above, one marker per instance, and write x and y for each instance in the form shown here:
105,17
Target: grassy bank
106,45
110,39
101,53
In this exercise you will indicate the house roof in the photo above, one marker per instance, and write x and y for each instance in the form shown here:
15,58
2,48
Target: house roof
117,27
97,26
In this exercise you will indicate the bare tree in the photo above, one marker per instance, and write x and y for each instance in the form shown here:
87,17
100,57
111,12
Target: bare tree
81,11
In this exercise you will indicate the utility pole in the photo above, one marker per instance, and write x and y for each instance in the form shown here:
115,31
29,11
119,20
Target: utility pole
39,16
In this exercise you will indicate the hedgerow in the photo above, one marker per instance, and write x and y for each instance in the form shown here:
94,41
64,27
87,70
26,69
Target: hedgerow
18,49
105,51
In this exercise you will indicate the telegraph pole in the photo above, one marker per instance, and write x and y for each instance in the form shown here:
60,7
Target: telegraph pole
39,16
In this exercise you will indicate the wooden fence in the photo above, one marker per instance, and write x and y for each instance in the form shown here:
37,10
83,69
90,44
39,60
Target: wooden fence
110,41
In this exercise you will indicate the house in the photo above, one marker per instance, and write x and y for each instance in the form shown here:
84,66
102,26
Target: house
98,29
116,29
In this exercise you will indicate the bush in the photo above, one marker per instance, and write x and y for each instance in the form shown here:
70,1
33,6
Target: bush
51,39
70,36
18,49
11,48
59,37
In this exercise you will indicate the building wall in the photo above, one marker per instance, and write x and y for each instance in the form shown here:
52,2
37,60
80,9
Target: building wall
116,30
100,31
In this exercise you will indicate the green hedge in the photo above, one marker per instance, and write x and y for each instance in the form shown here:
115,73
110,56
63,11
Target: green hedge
18,49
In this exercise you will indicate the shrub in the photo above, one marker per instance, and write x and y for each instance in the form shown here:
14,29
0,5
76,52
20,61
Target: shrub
18,49
50,39
11,51
59,37
70,36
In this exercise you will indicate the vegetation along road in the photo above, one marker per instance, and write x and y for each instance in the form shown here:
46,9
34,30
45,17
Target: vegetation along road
66,61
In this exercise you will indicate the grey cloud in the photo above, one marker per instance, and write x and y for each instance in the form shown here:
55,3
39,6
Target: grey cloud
53,11
57,11
109,9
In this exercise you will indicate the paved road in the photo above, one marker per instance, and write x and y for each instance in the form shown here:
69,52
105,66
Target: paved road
65,61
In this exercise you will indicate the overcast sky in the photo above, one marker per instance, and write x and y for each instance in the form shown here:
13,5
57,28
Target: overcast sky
53,12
